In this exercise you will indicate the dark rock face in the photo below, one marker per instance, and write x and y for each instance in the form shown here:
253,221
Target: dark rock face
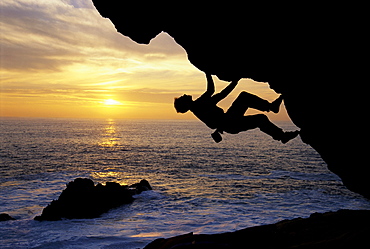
342,229
83,200
5,217
315,55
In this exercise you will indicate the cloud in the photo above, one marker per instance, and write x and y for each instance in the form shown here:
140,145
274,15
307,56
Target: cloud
47,35
63,53
149,95
80,4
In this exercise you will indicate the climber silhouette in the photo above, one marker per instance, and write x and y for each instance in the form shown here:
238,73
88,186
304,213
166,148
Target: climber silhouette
233,121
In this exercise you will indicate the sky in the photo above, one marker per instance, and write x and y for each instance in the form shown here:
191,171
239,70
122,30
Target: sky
60,58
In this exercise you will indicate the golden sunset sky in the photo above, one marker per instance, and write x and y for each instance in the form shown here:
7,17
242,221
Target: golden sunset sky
60,58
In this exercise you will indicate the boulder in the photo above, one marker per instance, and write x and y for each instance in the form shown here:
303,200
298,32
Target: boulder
83,200
341,229
5,217
313,54
137,188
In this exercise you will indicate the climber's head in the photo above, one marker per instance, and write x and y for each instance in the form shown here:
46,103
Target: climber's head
182,104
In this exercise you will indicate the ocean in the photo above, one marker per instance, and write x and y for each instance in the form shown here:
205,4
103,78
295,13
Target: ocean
198,186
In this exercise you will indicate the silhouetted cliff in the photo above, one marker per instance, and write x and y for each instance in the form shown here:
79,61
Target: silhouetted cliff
341,229
315,55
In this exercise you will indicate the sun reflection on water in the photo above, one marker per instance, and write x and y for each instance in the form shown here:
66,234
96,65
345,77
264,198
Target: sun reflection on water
149,234
108,175
110,137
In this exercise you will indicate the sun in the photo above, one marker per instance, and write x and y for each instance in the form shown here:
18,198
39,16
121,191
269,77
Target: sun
111,102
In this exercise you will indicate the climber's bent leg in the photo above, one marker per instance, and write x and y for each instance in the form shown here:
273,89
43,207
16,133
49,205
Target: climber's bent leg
247,100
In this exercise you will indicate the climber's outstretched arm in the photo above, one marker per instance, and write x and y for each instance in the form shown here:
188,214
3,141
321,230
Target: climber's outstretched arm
210,85
226,91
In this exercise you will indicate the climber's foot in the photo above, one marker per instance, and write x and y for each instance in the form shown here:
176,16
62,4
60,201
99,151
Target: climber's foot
275,105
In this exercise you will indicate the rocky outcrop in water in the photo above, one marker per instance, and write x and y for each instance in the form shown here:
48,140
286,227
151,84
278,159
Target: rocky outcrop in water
84,200
341,229
314,54
5,217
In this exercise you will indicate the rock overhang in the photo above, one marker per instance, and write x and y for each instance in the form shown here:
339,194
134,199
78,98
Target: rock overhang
313,55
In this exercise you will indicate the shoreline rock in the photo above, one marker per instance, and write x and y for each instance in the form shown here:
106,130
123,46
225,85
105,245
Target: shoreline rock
5,217
84,200
341,229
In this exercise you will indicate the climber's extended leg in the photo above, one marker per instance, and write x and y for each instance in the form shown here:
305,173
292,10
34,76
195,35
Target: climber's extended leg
261,121
271,129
